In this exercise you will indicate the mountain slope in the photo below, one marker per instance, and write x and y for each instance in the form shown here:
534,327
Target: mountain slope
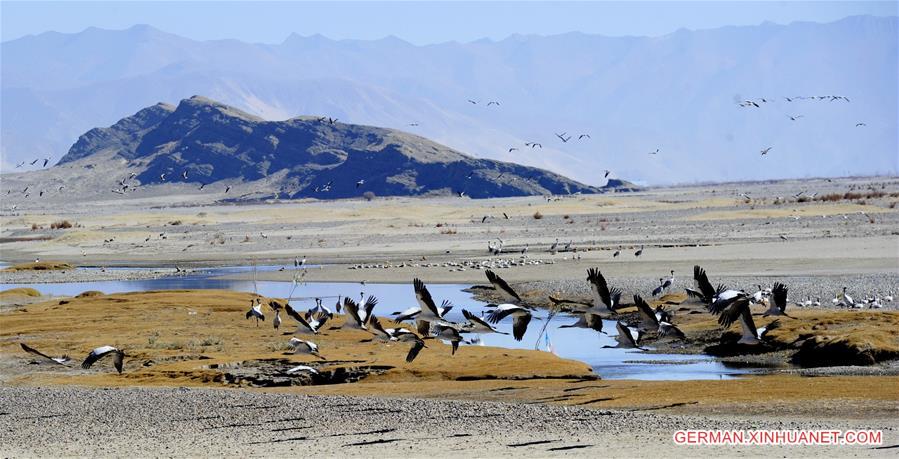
202,141
678,93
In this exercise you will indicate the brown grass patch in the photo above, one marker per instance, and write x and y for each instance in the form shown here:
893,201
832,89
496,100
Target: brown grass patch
40,266
21,291
163,332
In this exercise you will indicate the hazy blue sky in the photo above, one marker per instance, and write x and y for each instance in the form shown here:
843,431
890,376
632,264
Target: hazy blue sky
417,22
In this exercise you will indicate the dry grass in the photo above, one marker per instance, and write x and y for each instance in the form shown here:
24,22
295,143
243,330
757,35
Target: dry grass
179,333
40,266
21,291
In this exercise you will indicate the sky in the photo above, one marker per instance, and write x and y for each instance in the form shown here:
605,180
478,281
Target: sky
420,23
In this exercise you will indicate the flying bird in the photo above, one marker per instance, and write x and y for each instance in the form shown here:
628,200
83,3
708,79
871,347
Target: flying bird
304,347
521,317
587,320
500,285
478,325
779,301
63,360
739,310
625,338
765,151
602,295
118,357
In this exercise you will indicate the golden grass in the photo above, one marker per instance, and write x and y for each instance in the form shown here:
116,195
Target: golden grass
40,266
21,291
179,333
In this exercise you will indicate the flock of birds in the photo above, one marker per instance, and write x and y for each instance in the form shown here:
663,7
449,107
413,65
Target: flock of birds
431,321
759,102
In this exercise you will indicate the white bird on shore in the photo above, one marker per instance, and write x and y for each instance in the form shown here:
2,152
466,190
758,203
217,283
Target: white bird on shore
521,317
256,311
64,360
277,320
118,357
304,347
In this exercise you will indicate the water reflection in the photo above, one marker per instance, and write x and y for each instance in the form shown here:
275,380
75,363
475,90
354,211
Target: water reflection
572,343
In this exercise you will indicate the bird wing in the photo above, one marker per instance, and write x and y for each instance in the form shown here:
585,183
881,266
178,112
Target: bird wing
599,287
475,319
593,321
423,327
424,298
34,351
667,329
407,314
624,337
702,283
501,312
779,294
520,325
733,312
118,360
97,354
500,284
378,329
648,321
417,345
369,306
350,306
299,318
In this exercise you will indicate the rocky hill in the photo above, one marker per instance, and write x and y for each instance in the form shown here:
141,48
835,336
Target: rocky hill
201,141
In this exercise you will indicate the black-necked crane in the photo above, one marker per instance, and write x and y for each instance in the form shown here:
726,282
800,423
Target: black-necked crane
652,320
277,320
587,320
307,324
739,310
501,286
63,360
521,317
428,309
304,347
625,337
397,334
358,318
478,325
779,301
602,295
256,311
639,252
446,332
118,357
656,291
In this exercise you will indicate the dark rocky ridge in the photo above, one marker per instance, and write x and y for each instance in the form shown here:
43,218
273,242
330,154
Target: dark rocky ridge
297,157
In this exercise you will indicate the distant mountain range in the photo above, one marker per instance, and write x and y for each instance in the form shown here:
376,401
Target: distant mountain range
201,142
678,93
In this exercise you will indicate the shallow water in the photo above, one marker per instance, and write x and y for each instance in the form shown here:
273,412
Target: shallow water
572,343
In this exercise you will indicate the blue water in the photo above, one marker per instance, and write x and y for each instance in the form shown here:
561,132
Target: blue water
572,343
